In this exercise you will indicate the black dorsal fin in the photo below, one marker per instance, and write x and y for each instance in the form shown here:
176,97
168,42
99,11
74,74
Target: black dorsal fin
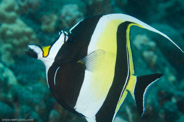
142,85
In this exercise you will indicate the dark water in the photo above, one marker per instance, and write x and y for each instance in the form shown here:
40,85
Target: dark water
23,89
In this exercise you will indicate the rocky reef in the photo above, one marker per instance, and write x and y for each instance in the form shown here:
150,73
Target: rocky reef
23,89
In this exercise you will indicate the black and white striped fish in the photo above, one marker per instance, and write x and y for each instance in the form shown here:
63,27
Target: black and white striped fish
90,69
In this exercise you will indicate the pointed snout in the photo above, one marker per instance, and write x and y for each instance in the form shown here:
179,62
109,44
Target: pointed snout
31,51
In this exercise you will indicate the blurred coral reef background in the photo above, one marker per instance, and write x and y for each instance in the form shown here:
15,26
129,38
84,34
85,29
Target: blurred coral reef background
23,89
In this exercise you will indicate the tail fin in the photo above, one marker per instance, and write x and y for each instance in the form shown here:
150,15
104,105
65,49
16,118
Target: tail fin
142,85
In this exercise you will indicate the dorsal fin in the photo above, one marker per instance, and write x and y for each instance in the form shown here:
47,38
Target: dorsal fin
142,85
141,24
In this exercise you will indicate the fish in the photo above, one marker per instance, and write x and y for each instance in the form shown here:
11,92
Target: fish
90,69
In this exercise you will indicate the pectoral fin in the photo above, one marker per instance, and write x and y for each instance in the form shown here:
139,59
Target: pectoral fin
142,85
94,60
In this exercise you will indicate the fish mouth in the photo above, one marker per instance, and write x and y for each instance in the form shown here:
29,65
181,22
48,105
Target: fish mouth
30,52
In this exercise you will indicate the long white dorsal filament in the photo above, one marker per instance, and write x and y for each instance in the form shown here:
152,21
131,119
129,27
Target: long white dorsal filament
145,26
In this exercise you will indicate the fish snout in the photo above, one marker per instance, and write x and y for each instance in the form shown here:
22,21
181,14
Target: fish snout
31,52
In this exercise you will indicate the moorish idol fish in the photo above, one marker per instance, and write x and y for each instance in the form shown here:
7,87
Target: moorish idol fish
90,69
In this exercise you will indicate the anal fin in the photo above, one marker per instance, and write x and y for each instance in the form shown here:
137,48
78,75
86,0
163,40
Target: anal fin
142,85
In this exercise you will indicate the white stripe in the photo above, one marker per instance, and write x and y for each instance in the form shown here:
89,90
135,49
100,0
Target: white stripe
49,60
92,119
87,102
57,46
55,75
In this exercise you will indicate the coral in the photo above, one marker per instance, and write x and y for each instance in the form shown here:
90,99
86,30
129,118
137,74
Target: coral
7,80
49,22
29,5
7,77
54,116
33,99
170,112
166,12
6,111
33,95
96,7
70,14
14,40
154,57
27,112
14,33
23,89
8,11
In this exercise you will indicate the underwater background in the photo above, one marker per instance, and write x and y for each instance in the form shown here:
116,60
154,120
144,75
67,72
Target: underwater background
23,89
